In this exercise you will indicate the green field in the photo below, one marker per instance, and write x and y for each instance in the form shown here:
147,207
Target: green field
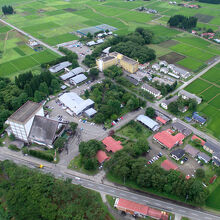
208,87
213,200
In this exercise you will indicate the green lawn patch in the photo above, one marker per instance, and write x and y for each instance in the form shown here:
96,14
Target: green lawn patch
60,39
19,51
40,27
111,200
197,86
210,93
44,56
213,75
7,69
213,200
216,102
190,63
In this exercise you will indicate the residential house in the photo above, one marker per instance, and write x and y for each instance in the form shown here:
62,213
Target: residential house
216,158
211,147
155,92
177,154
182,72
112,145
101,156
161,120
181,128
173,75
197,118
166,103
188,95
164,70
164,80
148,122
156,67
168,140
168,165
163,63
20,121
192,151
204,157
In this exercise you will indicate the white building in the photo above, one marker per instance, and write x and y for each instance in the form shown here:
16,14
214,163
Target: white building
165,103
173,75
20,122
163,63
75,103
156,66
58,67
77,79
148,122
164,70
72,73
156,93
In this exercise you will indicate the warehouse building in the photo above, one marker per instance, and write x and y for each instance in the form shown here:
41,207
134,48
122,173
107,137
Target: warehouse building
72,73
58,67
148,122
77,79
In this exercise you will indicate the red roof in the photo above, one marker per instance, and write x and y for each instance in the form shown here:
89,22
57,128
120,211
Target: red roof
194,137
112,145
167,139
168,165
101,156
188,177
158,118
130,206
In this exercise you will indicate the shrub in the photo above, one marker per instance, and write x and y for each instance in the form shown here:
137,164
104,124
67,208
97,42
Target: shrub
13,147
41,155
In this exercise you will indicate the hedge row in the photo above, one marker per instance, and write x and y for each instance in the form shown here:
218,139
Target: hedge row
41,155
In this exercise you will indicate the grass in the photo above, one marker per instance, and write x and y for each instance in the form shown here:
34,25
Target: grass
212,75
213,200
191,63
197,86
111,200
76,164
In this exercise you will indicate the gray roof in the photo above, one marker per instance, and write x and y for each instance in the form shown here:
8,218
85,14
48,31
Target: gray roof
191,150
25,112
90,112
190,96
216,155
151,89
212,146
77,70
129,60
43,130
67,75
180,70
59,67
78,79
204,156
132,80
182,128
168,101
178,153
153,125
107,58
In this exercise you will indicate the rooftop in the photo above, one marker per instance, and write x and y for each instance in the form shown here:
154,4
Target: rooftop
150,88
167,139
198,118
168,165
191,150
158,118
101,156
212,146
150,123
25,112
204,156
112,145
179,153
168,101
59,67
78,79
190,95
43,130
194,137
129,60
90,112
105,59
182,128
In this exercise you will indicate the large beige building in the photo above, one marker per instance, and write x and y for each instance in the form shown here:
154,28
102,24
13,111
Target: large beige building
20,122
115,58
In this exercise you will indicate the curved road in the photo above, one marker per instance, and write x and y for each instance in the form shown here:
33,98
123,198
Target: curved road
30,36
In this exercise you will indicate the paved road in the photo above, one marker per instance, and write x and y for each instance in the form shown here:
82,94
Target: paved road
30,36
191,80
61,172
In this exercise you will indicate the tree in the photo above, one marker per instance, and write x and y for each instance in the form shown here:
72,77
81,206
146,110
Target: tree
59,143
91,164
73,126
75,63
200,173
173,107
44,88
55,84
86,93
28,90
7,9
89,35
182,22
94,73
150,112
99,118
37,96
218,171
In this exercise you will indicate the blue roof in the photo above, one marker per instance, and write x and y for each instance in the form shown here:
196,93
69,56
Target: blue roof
198,118
188,119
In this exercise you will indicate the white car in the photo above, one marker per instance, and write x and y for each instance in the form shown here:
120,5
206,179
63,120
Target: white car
77,178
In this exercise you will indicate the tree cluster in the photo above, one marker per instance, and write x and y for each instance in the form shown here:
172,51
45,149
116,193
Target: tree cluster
113,72
164,89
29,194
136,43
183,22
150,112
112,101
127,167
175,107
70,56
94,73
210,1
88,152
8,10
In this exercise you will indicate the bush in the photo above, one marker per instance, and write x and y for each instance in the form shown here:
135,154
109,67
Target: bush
13,147
41,155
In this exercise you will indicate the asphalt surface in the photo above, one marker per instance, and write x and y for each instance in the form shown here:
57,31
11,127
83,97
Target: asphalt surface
30,36
115,191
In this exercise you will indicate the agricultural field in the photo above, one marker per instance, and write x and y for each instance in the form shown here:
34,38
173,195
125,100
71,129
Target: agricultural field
16,56
208,87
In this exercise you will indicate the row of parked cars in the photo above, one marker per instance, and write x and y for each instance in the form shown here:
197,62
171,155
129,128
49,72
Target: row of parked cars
155,158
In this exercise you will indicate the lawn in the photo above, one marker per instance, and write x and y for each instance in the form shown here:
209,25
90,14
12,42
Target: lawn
213,200
197,86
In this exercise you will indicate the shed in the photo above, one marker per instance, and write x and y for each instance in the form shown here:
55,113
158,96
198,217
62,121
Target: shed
150,123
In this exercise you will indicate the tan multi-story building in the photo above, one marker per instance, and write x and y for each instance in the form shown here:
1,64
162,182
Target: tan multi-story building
115,58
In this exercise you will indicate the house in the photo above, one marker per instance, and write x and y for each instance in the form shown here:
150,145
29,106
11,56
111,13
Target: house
75,103
182,72
77,71
181,128
112,145
99,41
168,165
163,63
132,79
20,122
148,122
171,66
216,158
155,92
58,67
211,147
162,117
204,157
187,95
164,70
101,156
89,113
77,79
197,118
105,62
91,43
166,139
139,210
164,80
44,131
161,120
177,154
156,67
191,150
194,137
166,103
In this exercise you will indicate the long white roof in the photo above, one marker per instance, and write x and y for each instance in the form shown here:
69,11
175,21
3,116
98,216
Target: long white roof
78,79
75,103
60,66
153,125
